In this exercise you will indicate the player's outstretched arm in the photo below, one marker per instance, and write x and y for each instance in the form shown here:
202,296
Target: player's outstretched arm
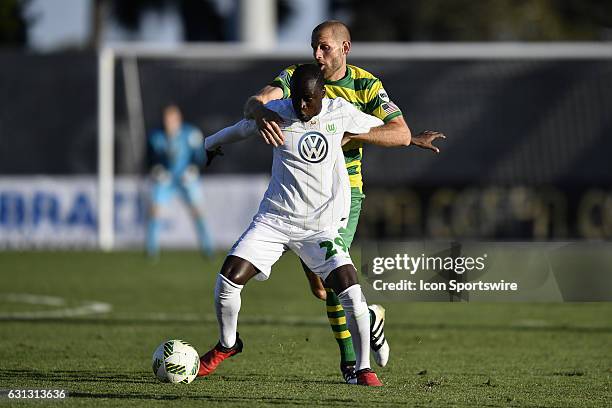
267,120
231,134
394,133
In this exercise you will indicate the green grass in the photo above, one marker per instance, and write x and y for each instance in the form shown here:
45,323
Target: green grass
553,355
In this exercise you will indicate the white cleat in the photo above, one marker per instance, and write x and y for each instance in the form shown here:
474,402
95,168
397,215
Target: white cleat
378,343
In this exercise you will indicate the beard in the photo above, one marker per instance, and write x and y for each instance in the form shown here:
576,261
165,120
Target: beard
332,67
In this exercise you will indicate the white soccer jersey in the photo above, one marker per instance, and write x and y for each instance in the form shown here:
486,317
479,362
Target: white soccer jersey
309,187
302,191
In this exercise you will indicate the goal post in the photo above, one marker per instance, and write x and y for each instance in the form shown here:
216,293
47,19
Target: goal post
106,145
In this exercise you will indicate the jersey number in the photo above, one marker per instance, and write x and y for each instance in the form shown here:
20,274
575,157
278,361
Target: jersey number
329,247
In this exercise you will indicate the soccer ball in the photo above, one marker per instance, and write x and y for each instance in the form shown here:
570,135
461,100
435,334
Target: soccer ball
176,361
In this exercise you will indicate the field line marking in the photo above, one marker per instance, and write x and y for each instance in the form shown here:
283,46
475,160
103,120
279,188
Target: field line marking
212,318
83,308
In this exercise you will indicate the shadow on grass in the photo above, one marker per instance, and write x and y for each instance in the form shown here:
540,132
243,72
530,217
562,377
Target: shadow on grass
75,376
110,321
168,392
140,377
280,401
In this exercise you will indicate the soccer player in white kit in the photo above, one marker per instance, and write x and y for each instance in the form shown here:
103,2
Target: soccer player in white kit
302,209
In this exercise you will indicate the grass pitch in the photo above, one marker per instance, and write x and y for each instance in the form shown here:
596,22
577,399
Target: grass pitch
553,355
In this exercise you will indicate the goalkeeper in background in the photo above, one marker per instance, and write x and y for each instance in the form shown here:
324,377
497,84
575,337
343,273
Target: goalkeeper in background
176,153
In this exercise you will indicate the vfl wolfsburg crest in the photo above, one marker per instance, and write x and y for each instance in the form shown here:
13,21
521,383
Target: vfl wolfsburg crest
313,147
331,128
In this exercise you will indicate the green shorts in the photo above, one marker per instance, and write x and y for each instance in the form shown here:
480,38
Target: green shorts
348,233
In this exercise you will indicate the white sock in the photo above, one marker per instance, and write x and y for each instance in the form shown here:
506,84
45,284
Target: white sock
358,322
227,306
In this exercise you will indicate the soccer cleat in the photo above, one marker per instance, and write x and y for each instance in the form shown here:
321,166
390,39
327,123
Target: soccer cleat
368,377
211,360
378,343
348,373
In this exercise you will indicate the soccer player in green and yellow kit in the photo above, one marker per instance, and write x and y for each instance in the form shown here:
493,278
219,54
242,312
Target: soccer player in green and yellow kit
331,43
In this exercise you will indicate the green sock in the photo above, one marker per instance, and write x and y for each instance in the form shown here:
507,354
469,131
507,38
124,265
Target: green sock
337,320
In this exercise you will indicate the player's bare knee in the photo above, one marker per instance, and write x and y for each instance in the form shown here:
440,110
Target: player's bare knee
342,278
238,270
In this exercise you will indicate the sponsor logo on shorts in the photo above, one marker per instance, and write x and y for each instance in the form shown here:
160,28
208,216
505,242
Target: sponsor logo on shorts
313,147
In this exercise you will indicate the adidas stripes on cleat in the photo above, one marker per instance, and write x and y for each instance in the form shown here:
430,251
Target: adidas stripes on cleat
368,377
211,360
348,373
378,343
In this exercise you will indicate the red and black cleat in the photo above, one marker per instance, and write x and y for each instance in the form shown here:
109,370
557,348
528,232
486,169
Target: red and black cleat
368,377
211,360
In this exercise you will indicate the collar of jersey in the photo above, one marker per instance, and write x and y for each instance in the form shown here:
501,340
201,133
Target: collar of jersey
344,81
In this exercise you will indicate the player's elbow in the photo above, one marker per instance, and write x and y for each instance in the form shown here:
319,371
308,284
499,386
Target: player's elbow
251,106
257,99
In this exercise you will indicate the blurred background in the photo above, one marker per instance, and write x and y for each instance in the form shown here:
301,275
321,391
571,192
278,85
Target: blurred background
522,89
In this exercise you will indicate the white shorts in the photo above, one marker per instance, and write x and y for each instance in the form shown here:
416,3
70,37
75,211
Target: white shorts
267,238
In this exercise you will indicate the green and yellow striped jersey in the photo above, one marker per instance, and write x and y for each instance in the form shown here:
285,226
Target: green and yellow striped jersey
363,90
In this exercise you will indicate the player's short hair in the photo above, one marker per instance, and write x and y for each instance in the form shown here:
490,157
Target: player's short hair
340,30
308,72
